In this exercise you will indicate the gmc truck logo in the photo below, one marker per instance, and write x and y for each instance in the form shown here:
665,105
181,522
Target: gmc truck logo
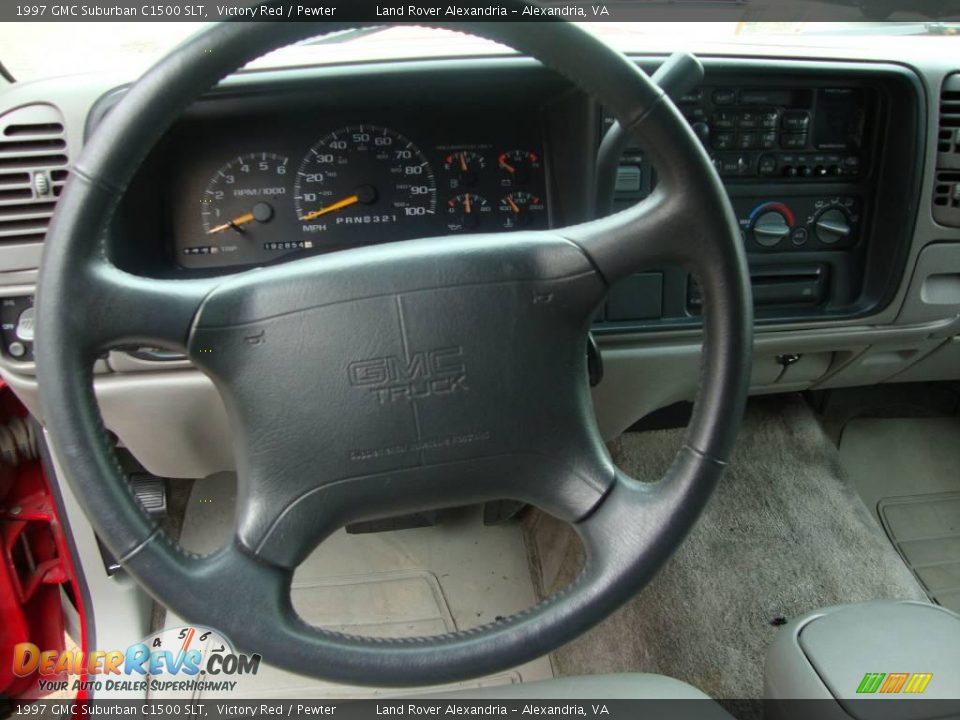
424,374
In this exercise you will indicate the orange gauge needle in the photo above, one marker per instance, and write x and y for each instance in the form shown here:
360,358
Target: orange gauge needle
513,205
235,223
467,203
261,212
507,166
338,205
463,162
364,194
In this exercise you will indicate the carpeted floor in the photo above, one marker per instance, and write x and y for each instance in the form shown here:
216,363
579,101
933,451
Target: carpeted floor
783,535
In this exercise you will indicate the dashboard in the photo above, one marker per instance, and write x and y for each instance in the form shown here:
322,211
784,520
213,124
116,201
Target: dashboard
838,172
275,187
257,179
815,164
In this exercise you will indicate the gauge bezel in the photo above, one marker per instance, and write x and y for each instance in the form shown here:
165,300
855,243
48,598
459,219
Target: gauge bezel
336,144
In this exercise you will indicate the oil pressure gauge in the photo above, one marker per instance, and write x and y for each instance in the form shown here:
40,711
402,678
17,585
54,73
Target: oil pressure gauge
466,211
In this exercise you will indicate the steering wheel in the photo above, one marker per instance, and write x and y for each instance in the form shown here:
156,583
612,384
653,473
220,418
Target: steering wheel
396,378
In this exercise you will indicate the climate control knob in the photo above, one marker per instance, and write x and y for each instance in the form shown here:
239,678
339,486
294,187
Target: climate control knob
832,226
770,228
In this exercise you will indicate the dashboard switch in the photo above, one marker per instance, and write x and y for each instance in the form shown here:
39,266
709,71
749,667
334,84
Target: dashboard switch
24,328
832,226
770,228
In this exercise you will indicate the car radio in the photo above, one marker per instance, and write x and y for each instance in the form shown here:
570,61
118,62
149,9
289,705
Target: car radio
798,134
797,163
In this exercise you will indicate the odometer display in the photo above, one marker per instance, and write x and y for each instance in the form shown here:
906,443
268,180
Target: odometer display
360,178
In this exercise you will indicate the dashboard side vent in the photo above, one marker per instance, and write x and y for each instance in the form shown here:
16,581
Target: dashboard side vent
33,170
946,189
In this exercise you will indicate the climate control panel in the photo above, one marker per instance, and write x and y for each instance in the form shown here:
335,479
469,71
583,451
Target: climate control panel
799,223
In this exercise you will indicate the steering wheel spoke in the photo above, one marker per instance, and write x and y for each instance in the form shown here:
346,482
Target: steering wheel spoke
126,309
655,231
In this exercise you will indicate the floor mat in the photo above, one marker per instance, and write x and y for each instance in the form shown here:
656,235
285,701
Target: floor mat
784,534
402,583
925,530
907,471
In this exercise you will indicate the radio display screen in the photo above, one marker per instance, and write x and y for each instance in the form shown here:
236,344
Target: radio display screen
838,120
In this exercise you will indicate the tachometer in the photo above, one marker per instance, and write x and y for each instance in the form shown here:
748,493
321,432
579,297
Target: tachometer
239,202
360,176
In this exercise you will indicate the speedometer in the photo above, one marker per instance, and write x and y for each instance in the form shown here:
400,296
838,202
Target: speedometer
360,177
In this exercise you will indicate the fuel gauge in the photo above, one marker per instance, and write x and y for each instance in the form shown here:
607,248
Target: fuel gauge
519,209
466,211
465,166
517,166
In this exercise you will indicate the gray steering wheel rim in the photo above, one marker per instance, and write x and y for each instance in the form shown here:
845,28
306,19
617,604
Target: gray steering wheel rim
625,549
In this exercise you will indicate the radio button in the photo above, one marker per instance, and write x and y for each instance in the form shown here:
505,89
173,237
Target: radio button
748,141
724,97
749,120
724,141
793,141
769,119
796,120
724,120
768,165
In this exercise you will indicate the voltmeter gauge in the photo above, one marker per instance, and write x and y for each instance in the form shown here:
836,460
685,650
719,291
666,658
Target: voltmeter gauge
517,167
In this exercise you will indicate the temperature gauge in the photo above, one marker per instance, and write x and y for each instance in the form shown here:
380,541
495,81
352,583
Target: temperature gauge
519,209
465,211
465,165
517,166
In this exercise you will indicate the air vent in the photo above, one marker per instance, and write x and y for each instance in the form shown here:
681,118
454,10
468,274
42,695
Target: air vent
948,138
946,197
33,170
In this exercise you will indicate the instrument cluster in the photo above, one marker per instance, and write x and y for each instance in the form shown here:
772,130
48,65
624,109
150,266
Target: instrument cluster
261,192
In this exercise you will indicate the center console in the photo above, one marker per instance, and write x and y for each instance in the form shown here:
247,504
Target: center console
881,660
821,170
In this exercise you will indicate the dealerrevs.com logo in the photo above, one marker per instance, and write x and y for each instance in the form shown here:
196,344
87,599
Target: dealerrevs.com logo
181,659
